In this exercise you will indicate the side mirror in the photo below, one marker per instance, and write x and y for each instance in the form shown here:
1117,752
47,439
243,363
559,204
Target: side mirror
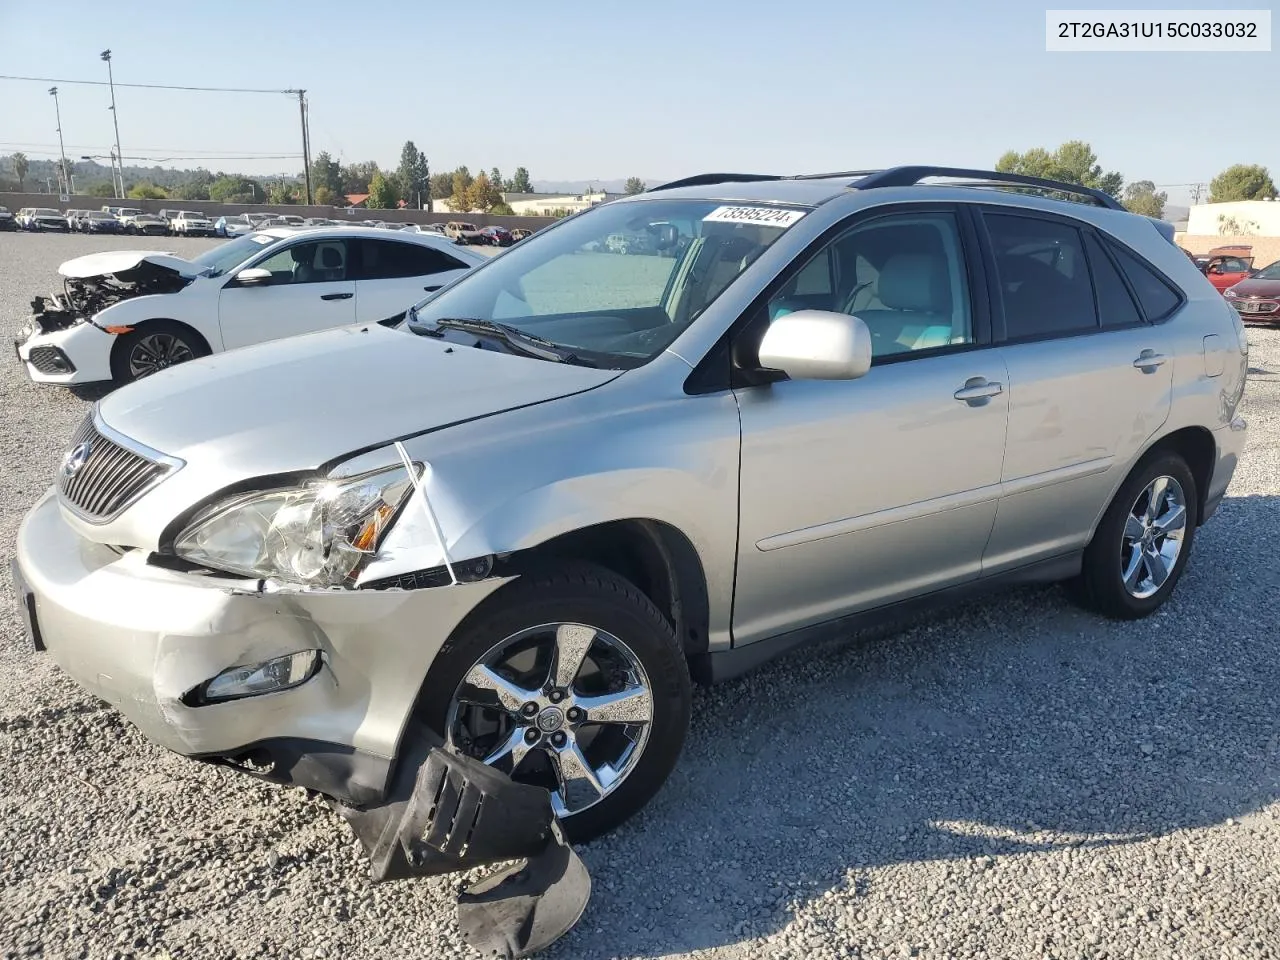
253,276
817,345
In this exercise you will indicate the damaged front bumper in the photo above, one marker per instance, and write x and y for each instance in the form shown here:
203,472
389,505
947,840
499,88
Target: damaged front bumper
56,346
146,639
446,814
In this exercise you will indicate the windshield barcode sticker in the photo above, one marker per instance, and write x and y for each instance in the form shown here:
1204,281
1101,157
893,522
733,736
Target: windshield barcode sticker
763,216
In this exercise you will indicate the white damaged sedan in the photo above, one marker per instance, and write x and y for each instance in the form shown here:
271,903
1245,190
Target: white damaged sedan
125,314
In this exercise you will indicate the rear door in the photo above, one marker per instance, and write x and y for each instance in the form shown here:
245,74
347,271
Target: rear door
309,290
396,274
1090,376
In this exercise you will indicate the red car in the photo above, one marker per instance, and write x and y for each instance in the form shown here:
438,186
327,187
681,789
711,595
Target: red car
497,236
1258,296
1226,266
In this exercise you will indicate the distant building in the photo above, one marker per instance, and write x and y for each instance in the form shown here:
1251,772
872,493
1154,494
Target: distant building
540,204
1248,218
356,199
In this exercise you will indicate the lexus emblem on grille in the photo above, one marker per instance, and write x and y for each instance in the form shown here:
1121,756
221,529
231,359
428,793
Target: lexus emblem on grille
76,458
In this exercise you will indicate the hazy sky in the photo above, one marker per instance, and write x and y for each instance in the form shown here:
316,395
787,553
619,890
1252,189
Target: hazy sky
656,89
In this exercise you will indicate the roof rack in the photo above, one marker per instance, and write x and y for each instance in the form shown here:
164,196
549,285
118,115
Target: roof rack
703,179
910,176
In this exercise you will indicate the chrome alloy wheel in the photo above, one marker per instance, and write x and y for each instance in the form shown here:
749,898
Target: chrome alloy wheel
565,706
156,352
1152,538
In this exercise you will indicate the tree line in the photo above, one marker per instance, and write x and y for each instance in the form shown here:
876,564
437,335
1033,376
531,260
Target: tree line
1075,162
413,183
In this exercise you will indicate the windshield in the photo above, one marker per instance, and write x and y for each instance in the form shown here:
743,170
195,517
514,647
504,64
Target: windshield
227,256
1269,272
45,212
620,282
129,212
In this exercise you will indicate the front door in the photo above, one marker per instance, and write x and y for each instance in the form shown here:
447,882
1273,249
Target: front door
309,290
860,493
1090,378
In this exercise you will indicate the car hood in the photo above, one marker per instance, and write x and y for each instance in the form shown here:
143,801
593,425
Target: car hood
119,261
1257,287
297,404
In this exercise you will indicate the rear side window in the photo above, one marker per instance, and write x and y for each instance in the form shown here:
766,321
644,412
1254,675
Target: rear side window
1042,277
1115,306
1154,293
388,260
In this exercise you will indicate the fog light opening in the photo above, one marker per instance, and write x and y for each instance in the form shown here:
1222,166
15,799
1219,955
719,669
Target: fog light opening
256,679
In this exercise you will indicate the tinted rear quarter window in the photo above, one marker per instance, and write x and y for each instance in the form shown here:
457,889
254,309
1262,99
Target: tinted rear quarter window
385,260
1043,281
1158,299
1115,306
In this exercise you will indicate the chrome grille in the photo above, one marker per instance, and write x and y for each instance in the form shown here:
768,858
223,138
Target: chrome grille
99,477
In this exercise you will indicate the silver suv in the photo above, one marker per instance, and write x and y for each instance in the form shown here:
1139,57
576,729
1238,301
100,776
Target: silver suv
527,514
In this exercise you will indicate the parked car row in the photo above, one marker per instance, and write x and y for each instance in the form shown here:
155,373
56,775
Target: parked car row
188,223
1254,293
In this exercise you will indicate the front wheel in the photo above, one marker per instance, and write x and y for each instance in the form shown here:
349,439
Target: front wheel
1142,544
571,680
152,347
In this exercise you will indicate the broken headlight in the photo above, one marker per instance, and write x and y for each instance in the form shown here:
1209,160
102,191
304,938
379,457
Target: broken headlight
318,534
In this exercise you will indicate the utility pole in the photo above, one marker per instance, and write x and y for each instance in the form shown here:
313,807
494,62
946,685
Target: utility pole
62,150
111,82
306,141
1197,191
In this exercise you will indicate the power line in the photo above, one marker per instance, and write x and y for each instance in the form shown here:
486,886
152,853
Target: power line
150,86
239,155
256,156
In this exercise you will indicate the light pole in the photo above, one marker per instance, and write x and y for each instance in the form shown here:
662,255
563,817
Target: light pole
115,119
62,150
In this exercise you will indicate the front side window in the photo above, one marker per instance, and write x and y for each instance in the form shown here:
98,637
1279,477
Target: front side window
902,275
316,261
1041,275
571,286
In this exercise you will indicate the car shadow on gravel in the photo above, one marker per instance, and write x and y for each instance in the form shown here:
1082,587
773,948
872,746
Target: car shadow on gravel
1014,725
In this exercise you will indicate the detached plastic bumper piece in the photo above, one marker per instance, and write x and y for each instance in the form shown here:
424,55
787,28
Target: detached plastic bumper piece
448,813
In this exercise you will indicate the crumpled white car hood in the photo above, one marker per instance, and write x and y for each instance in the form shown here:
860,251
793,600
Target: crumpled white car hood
116,261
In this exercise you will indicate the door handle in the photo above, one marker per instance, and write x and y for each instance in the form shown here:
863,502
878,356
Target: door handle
433,289
336,296
1148,361
978,390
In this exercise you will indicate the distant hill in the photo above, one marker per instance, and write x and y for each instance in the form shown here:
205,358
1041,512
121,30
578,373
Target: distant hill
1174,213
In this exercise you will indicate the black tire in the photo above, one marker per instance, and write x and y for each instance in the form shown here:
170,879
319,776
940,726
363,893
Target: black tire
588,594
1100,586
185,344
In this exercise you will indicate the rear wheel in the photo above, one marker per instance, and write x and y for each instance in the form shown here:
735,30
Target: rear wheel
1142,544
571,680
153,347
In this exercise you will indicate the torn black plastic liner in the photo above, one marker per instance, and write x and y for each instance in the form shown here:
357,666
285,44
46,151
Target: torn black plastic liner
448,813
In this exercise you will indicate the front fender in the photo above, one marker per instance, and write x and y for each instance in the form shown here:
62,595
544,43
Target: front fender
674,462
199,313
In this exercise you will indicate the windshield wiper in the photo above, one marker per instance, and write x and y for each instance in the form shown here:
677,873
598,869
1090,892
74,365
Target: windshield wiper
514,337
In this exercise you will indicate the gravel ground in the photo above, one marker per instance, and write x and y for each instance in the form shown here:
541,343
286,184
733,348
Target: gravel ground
1018,779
